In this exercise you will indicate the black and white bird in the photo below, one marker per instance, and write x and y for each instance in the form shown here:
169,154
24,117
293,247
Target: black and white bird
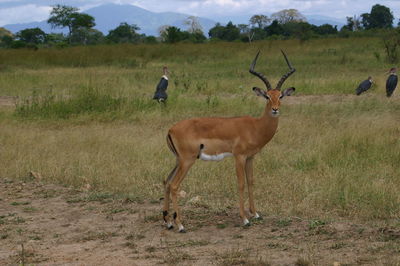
161,95
391,82
364,86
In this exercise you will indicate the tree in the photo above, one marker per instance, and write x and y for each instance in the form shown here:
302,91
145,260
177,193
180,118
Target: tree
365,20
149,39
173,35
228,33
57,39
87,36
353,23
325,29
231,32
81,20
246,32
32,36
217,31
16,44
63,16
162,31
380,17
274,29
259,34
124,33
197,37
299,30
6,37
194,25
260,21
288,15
60,17
5,32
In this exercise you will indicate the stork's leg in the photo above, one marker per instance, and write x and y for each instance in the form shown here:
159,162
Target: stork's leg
250,184
240,172
181,172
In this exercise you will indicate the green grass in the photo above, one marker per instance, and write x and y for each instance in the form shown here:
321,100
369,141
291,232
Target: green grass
323,66
85,116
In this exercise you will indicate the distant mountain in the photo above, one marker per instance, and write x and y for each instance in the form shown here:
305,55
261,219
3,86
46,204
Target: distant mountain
320,20
14,28
109,16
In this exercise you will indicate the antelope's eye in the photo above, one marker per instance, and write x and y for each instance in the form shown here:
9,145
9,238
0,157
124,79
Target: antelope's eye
281,96
267,97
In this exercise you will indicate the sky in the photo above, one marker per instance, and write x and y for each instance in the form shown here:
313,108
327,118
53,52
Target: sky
21,11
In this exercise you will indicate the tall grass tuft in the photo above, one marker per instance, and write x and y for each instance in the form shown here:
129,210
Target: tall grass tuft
86,101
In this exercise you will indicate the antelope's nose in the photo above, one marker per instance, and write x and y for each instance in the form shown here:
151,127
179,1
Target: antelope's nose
275,110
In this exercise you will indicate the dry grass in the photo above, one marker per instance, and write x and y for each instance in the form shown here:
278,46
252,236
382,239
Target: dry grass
328,158
334,154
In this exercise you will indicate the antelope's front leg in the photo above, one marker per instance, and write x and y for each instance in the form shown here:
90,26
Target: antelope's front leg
240,172
250,184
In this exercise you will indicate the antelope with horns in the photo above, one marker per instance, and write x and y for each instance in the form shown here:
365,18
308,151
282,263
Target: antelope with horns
214,138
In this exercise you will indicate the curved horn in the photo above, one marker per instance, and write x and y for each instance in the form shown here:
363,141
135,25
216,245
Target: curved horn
261,76
284,77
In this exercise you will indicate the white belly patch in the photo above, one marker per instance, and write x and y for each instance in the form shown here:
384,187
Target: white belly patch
216,157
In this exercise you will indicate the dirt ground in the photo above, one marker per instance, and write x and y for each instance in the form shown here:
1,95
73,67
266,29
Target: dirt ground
8,101
47,224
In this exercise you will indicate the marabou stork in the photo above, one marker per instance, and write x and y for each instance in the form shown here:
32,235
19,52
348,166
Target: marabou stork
161,95
391,82
364,86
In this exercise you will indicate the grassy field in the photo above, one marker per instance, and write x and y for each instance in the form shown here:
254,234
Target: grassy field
84,115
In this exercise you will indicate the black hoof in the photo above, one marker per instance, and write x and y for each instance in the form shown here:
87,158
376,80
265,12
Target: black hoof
182,231
170,227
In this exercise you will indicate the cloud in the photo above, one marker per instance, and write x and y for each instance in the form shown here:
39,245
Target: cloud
209,8
24,13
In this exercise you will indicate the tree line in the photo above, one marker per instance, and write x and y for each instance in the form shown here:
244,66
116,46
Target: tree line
285,24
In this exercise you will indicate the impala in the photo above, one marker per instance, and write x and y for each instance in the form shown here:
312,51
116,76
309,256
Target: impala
214,138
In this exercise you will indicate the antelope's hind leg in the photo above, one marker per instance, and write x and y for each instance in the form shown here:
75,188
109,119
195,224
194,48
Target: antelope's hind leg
167,183
181,172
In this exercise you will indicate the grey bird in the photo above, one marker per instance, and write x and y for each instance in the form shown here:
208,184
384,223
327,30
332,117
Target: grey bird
364,86
161,95
391,82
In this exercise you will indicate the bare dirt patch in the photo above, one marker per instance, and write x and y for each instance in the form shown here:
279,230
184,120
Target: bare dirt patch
45,224
8,101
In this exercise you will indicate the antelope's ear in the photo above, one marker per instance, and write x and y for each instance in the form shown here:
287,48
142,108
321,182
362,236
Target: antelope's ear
260,92
288,92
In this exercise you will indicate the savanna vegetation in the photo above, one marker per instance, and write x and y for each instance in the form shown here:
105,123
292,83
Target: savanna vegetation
282,25
84,117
